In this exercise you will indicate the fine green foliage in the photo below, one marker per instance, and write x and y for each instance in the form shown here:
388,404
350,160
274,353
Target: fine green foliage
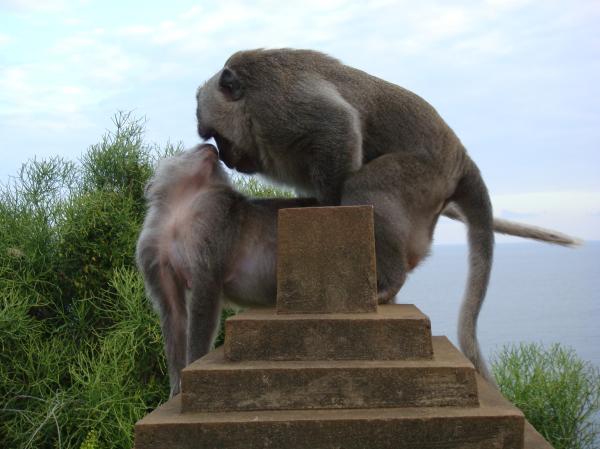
81,352
558,392
254,188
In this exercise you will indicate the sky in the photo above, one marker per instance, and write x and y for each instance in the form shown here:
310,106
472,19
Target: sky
517,80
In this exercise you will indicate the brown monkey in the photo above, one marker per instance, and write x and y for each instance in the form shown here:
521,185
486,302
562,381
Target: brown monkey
204,240
304,119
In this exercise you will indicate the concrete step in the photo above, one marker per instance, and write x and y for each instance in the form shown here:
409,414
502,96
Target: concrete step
214,384
494,424
394,332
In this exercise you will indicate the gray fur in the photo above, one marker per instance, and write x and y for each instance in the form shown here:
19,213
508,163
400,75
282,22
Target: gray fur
203,243
302,118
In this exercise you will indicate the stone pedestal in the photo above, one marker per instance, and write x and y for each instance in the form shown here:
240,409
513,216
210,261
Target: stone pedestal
330,369
326,260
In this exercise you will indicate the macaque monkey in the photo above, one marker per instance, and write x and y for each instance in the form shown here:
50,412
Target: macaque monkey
203,240
304,119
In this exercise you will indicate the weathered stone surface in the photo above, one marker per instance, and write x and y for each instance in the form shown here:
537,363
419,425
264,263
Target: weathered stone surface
493,425
213,384
326,260
394,332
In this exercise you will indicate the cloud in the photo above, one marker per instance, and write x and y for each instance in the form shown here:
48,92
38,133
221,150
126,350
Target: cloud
25,102
34,5
74,73
540,203
5,39
135,31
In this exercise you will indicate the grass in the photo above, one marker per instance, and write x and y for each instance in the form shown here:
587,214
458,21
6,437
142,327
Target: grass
557,391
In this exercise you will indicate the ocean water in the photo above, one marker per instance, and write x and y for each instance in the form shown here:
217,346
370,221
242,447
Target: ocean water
538,293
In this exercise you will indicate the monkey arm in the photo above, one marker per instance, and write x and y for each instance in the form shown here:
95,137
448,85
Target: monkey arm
520,229
314,146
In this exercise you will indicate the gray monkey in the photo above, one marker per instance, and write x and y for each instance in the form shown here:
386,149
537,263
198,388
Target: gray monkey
304,119
204,240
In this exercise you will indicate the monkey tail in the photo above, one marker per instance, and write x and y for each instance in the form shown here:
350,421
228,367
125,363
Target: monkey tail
522,230
473,201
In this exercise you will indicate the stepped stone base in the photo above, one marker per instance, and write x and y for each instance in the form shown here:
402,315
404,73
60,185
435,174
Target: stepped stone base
329,369
214,384
494,424
393,332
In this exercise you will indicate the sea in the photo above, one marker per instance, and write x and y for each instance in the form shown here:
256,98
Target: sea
538,293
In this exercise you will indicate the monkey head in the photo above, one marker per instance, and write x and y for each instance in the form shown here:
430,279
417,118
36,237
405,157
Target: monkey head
194,169
221,115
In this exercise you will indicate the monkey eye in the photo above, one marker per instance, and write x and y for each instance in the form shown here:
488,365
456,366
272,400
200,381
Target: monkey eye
230,85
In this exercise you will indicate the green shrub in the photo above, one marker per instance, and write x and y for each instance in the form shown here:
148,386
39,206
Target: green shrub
81,355
254,188
558,392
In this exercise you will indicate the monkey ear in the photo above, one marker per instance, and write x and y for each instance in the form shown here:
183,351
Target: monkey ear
230,85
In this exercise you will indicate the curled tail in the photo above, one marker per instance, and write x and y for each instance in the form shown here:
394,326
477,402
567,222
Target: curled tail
472,199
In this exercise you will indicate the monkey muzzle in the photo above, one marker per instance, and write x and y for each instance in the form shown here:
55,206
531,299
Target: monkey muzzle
235,158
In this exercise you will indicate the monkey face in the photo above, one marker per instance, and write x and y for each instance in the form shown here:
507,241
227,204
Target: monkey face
234,157
191,170
220,115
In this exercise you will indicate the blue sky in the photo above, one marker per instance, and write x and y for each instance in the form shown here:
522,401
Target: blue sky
516,79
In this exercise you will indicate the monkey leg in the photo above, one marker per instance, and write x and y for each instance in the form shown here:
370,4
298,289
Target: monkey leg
405,209
168,295
390,249
391,231
204,311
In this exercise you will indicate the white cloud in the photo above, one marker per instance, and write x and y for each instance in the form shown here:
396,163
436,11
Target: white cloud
503,5
5,39
135,31
492,43
542,203
35,5
24,102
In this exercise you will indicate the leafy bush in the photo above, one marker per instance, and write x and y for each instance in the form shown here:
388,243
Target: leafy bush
81,355
558,392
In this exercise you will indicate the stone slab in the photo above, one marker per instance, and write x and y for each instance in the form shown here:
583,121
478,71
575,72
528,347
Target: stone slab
326,260
214,384
394,332
494,425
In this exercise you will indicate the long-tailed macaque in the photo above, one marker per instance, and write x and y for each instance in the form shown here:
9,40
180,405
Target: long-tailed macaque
304,119
204,240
